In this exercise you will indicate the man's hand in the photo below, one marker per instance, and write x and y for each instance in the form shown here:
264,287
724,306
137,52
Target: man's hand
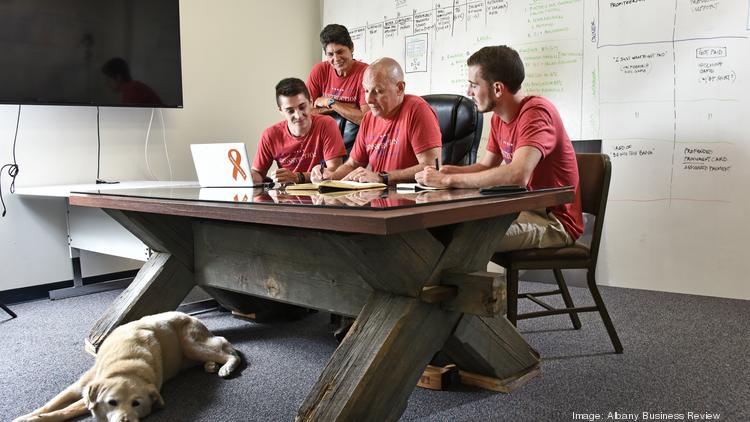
431,177
317,176
283,175
321,102
361,174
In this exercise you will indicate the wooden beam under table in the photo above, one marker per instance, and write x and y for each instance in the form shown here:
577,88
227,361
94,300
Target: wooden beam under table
163,281
374,370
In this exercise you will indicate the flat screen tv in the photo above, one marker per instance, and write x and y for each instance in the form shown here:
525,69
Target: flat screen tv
123,53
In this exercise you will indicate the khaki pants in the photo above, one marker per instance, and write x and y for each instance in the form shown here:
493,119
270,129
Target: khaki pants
533,230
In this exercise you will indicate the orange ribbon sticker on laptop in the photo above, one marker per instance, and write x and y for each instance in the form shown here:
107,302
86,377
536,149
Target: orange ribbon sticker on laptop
236,159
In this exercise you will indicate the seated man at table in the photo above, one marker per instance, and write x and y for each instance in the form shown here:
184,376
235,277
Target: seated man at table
299,141
528,146
398,137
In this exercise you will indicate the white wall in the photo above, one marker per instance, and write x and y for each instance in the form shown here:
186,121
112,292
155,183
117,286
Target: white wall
233,53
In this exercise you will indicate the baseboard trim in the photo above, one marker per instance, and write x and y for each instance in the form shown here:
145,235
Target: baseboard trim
41,291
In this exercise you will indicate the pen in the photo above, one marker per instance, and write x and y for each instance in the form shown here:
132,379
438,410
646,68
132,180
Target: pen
322,168
437,164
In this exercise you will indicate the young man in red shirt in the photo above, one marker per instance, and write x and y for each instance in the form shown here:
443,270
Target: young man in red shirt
528,146
398,137
335,84
298,142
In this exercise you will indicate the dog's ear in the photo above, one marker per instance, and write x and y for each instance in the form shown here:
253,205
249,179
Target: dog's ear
90,394
156,399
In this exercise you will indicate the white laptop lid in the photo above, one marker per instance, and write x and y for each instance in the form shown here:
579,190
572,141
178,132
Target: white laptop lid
222,165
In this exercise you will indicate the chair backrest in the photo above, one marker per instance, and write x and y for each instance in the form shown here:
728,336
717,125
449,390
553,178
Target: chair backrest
348,131
594,172
460,126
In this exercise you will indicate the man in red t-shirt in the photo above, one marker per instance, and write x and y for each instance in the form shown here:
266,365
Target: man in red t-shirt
528,146
336,83
299,141
398,137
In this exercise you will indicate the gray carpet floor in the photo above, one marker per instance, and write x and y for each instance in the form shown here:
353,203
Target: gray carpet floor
682,354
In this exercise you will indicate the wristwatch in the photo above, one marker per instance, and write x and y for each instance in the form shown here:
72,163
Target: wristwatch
384,176
331,102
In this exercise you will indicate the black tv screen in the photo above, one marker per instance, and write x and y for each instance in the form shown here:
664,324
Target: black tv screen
123,53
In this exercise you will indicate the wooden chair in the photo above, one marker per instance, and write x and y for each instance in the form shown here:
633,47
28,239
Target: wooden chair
595,171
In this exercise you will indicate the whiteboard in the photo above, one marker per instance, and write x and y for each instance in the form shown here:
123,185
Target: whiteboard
663,83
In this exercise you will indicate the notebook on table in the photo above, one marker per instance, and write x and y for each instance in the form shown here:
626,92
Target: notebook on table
222,165
335,185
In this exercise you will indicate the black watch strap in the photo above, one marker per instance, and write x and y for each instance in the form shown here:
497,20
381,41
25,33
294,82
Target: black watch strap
384,175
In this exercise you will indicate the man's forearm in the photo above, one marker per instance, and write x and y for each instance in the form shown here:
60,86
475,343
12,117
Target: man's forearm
484,178
472,168
256,176
351,112
342,171
404,175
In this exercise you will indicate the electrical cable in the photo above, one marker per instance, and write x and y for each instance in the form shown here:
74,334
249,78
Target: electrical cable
12,167
145,146
164,137
98,147
99,181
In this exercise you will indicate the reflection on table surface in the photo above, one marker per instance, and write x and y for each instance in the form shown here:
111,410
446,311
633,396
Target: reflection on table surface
370,198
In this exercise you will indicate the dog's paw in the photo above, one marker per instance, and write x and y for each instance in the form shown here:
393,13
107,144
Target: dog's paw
211,367
225,371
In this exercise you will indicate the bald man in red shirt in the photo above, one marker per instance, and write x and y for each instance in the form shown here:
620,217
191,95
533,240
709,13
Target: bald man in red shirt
398,136
528,146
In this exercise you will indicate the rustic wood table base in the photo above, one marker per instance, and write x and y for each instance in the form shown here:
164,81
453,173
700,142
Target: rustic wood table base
414,277
381,279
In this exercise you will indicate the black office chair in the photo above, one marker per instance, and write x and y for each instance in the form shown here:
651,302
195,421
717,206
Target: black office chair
461,127
595,171
348,131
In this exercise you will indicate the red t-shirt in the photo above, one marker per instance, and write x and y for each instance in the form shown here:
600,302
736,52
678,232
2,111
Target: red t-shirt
324,82
538,124
323,141
392,144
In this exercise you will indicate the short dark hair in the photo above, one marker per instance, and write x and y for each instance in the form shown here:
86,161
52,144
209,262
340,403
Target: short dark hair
117,66
289,87
499,63
335,33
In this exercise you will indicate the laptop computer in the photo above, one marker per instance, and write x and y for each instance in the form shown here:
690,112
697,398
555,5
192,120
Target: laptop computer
222,165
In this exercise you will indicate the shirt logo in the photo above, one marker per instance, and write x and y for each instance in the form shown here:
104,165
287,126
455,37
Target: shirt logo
380,145
338,94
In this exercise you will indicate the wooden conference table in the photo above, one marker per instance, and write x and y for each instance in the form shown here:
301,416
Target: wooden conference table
411,267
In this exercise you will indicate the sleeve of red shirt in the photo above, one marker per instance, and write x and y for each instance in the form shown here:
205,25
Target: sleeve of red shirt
425,130
264,156
359,152
536,130
333,143
314,82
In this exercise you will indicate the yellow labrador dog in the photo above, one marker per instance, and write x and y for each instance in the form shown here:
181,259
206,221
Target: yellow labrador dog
132,363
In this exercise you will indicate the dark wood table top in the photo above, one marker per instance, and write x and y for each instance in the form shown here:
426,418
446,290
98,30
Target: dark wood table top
379,212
